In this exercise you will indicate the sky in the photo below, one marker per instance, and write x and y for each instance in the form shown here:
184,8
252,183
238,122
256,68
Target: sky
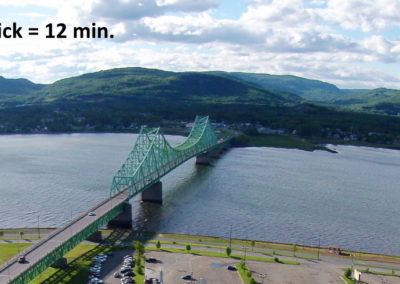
350,43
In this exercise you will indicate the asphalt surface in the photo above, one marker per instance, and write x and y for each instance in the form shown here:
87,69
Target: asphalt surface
175,265
10,271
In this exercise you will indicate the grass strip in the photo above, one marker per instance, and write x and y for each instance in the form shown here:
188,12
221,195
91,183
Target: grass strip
219,254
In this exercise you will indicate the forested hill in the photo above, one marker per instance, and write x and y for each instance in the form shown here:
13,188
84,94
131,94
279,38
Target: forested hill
311,90
150,85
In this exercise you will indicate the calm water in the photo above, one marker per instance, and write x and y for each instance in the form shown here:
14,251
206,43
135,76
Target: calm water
351,198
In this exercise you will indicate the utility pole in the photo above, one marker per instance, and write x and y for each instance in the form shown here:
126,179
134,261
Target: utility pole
38,225
230,237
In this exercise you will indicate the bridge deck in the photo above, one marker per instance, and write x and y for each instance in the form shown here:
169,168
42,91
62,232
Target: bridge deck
39,251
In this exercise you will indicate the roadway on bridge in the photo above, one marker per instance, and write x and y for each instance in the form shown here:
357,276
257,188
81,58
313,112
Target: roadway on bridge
66,232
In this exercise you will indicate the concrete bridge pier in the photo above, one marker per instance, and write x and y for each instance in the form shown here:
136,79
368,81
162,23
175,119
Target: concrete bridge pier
203,159
153,194
96,237
123,220
61,263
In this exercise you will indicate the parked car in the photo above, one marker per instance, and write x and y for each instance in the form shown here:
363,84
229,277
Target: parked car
231,267
187,277
151,260
92,214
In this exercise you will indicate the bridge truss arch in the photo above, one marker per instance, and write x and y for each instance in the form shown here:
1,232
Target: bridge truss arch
152,156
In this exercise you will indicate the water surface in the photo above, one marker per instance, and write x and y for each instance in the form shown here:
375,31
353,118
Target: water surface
351,198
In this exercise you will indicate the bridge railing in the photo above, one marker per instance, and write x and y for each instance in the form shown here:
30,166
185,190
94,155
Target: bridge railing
5,266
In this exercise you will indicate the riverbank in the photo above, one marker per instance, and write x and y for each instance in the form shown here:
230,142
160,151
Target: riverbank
207,256
201,241
294,142
278,141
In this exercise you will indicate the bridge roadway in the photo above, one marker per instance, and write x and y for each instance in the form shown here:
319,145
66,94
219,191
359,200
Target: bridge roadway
13,268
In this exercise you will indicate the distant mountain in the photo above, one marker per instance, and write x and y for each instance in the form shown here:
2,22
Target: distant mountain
311,90
150,85
16,91
386,101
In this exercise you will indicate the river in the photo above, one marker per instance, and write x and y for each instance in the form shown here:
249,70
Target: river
351,198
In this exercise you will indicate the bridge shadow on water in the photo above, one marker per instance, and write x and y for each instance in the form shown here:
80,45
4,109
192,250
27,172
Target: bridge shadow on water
76,269
150,216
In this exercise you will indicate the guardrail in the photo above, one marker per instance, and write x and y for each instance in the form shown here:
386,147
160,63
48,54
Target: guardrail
59,230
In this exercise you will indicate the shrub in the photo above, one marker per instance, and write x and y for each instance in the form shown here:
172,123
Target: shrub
248,273
228,251
347,273
158,244
276,259
188,247
252,281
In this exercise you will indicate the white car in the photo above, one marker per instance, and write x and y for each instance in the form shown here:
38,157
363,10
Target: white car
92,214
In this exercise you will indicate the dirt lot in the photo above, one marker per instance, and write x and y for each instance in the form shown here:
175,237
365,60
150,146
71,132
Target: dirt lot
175,265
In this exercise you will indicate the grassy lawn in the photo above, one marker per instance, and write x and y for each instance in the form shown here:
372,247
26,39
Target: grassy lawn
219,254
285,247
139,277
77,270
7,251
245,273
276,140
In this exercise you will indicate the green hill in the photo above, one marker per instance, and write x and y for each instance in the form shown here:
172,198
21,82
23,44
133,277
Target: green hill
17,86
311,90
385,101
150,85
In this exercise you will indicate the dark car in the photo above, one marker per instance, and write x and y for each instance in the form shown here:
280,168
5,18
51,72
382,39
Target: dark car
22,259
231,267
151,260
187,277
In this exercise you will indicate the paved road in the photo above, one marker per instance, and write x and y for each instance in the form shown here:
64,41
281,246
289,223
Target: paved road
14,269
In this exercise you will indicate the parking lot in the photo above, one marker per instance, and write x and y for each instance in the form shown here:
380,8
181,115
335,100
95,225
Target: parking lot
113,265
306,273
176,265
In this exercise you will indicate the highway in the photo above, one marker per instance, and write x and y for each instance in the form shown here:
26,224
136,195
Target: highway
36,253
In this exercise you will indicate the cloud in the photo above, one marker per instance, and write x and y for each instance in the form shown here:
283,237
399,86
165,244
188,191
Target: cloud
366,15
137,9
279,37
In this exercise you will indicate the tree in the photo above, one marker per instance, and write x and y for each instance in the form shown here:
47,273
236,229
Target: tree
1,234
253,243
228,251
21,234
188,248
139,248
158,244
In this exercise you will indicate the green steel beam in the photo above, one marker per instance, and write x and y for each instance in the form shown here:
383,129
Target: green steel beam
152,156
65,247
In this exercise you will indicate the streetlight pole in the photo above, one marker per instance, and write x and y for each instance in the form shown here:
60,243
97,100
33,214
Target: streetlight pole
230,237
38,225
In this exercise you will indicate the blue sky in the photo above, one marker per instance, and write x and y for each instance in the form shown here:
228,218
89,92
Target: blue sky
351,43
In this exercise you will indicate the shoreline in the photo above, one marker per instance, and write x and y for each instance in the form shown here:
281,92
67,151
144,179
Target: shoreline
361,255
286,141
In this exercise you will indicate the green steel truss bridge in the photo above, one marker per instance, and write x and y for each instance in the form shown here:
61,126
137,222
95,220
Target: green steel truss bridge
151,158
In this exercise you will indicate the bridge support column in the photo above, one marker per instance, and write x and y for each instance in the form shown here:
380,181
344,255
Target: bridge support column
95,237
215,153
203,159
124,220
61,263
153,194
